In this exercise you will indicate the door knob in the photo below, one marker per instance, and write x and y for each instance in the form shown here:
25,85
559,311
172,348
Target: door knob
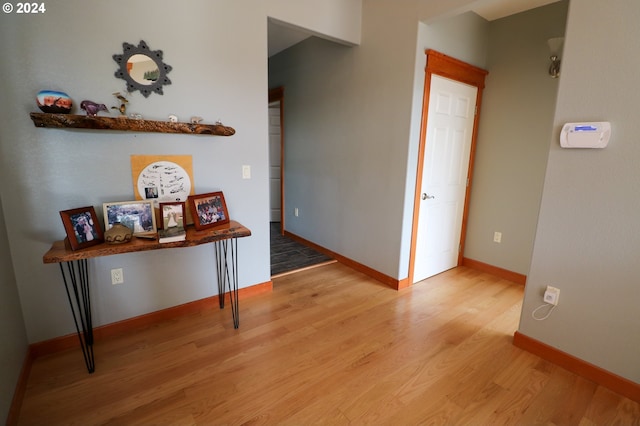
427,197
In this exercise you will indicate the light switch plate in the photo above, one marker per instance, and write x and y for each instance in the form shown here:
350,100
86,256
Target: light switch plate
246,172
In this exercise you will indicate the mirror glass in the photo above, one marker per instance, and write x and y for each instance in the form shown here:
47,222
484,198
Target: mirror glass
142,68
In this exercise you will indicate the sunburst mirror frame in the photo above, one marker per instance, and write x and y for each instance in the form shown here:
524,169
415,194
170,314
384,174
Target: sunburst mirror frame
142,48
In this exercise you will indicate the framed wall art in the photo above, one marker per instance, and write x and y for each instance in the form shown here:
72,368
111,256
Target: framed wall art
81,226
162,178
208,210
138,215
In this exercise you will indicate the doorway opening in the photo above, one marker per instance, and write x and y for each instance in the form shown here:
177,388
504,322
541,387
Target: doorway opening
287,254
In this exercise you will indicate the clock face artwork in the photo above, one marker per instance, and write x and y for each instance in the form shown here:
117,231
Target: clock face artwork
164,181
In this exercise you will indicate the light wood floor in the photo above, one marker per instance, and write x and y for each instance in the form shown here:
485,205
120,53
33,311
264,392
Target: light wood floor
328,346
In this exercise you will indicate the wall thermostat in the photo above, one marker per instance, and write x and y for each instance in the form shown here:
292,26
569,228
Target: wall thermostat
585,135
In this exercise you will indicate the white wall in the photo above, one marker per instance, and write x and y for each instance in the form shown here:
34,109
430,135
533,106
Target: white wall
513,139
588,234
218,53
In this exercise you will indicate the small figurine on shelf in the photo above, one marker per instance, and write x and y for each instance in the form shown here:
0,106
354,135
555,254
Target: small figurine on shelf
173,118
196,120
135,116
123,104
92,108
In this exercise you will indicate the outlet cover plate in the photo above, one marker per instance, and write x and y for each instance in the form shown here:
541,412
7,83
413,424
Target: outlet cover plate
117,276
551,295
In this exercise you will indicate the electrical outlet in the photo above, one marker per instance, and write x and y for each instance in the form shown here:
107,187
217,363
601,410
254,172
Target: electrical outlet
497,237
551,295
117,277
295,212
246,172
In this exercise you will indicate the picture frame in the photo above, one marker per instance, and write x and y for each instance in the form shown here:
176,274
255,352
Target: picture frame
208,210
82,227
172,214
137,215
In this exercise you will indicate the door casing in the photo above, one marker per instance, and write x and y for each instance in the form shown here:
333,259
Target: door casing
454,69
277,95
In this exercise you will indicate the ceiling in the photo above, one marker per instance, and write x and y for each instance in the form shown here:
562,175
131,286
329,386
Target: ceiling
282,36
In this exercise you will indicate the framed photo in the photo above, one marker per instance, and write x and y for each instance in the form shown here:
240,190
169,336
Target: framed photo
208,210
82,228
138,215
172,215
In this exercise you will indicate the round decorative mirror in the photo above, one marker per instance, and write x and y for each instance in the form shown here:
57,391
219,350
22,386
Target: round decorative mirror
142,68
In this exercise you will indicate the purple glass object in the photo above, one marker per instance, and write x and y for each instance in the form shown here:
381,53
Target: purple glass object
93,108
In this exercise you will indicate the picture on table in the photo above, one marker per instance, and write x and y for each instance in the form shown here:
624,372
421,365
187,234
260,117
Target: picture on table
139,216
208,210
172,215
81,226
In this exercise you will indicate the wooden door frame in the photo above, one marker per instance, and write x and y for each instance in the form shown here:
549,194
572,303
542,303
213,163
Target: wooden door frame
275,95
454,69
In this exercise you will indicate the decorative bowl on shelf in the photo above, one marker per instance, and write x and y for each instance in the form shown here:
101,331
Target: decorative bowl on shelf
118,234
54,102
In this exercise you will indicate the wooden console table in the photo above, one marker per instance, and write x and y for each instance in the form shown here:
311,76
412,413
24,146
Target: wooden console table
76,277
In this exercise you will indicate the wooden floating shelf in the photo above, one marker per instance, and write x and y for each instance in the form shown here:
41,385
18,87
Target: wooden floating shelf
70,121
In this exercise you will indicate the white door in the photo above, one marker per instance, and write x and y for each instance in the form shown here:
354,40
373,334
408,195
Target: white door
444,176
274,161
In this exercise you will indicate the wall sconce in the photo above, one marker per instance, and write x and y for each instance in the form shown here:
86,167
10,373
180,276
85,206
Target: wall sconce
555,46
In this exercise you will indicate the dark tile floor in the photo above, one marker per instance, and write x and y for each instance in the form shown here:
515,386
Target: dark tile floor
288,255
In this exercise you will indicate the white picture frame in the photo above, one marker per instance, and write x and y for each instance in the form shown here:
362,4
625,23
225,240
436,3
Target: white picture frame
137,215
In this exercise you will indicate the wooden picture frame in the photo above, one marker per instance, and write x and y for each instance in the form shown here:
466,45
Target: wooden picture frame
208,210
138,215
82,228
172,215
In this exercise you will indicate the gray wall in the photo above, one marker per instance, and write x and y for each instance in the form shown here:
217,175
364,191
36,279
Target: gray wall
70,48
346,128
588,235
12,332
513,139
464,36
347,169
352,121
219,57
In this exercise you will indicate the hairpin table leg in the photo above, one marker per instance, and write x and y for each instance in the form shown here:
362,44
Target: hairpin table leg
227,269
77,286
